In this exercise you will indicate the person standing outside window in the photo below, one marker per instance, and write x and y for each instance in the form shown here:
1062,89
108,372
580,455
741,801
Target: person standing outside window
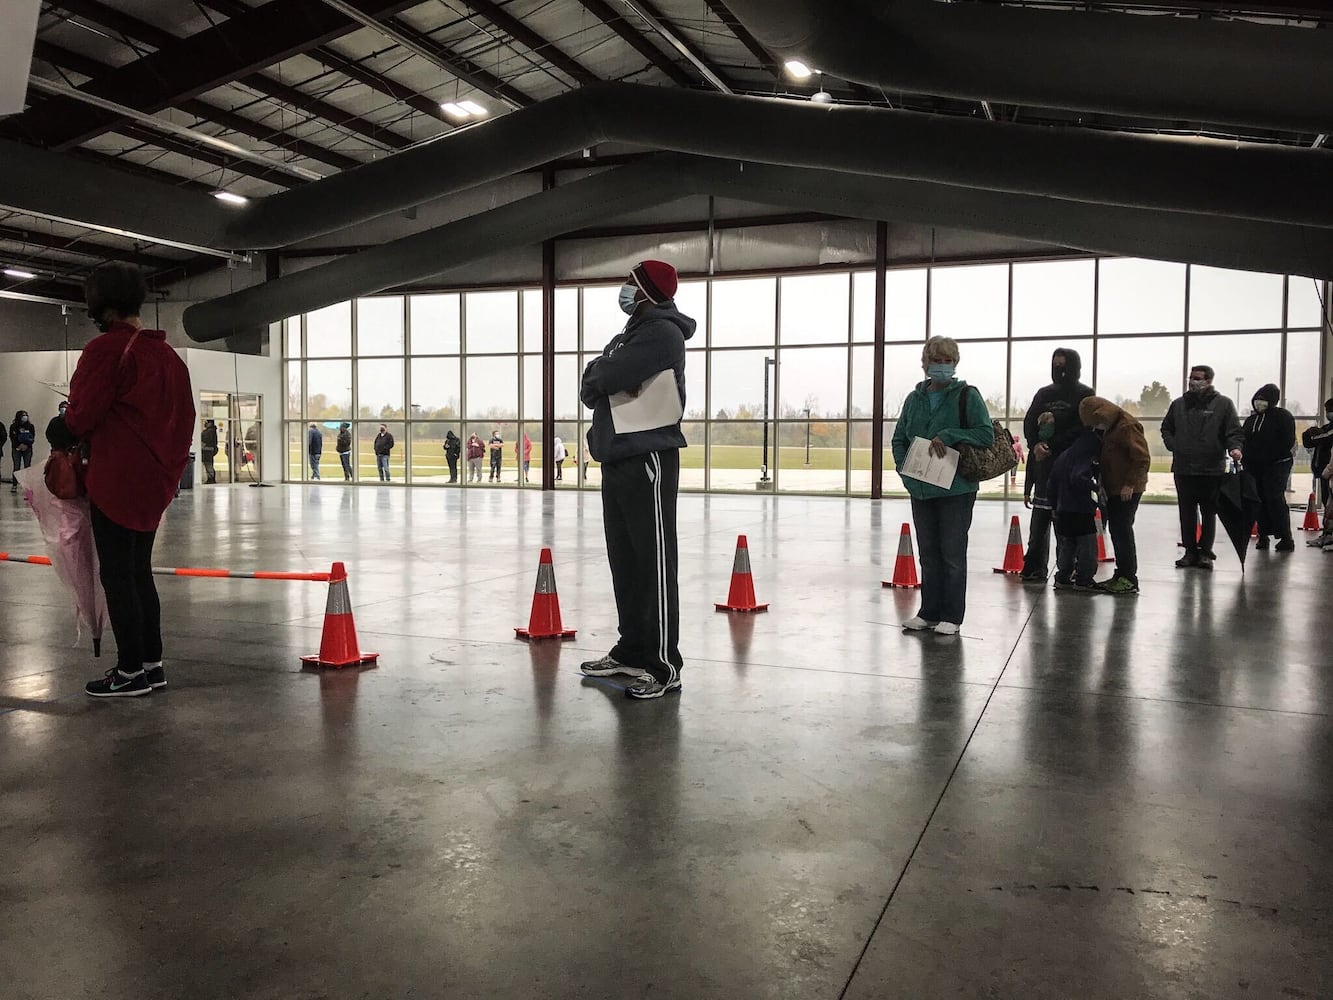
1200,430
208,446
344,446
475,452
1123,475
130,400
523,456
496,445
640,480
1270,442
452,449
314,446
942,515
1061,399
558,456
383,446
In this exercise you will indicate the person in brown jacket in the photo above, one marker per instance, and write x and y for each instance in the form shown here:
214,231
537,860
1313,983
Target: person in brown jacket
1123,476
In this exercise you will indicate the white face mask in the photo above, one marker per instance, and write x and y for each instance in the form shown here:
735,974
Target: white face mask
1260,405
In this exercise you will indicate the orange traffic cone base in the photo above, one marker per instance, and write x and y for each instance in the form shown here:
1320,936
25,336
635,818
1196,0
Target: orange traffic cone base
338,646
365,658
523,633
544,621
1013,551
753,610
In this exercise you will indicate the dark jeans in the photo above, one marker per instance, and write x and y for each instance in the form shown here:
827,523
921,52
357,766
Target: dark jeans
1274,515
346,458
131,595
382,464
210,473
496,459
1120,516
22,459
314,464
1036,561
453,467
639,516
1196,499
1076,558
942,525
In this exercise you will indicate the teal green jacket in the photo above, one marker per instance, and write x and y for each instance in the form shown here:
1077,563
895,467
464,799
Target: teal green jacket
917,420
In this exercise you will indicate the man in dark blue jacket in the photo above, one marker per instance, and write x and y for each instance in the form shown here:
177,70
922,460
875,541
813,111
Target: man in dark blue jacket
1060,399
314,446
635,435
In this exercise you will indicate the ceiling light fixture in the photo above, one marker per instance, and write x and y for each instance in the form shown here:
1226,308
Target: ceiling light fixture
798,69
821,96
455,110
231,198
473,108
15,272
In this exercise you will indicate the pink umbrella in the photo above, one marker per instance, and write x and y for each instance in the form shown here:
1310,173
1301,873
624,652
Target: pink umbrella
68,531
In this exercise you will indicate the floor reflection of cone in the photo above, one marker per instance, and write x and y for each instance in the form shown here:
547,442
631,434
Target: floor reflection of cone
741,595
904,567
338,646
1013,550
1102,556
544,621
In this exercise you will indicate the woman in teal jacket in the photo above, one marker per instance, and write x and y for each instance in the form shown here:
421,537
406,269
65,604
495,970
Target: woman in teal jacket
942,516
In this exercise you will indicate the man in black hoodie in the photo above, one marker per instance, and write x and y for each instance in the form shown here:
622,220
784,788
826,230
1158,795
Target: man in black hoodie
1270,437
1320,442
635,435
1061,399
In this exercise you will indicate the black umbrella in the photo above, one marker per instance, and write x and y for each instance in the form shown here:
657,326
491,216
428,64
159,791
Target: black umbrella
1237,508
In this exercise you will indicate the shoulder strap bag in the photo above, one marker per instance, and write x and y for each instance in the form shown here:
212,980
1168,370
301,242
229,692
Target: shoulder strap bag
978,464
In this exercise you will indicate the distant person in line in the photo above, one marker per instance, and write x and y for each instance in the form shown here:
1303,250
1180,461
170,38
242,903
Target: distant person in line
475,452
558,455
496,445
130,400
1319,440
943,516
1072,489
453,447
1270,443
1060,399
523,456
383,445
1018,454
1200,430
55,424
22,438
640,481
208,448
344,446
314,446
1123,475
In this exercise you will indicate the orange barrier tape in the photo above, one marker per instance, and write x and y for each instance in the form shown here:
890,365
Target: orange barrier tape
221,574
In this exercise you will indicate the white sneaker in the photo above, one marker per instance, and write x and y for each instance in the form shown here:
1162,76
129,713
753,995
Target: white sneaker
918,624
946,628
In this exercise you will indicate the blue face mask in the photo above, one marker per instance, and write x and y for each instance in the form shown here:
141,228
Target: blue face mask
940,373
628,293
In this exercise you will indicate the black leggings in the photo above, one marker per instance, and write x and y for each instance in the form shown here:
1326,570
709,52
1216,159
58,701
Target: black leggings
131,595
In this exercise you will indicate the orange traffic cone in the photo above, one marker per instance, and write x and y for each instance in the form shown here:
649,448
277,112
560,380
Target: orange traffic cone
1101,538
741,595
1311,522
1013,551
338,646
544,621
1198,532
1254,530
904,567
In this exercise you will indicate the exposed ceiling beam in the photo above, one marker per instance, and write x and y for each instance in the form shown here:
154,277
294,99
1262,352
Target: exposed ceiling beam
82,247
756,48
204,154
185,68
422,45
41,290
139,170
653,18
521,33
613,19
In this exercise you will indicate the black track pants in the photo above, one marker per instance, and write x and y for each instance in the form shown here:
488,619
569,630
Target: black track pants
126,558
639,514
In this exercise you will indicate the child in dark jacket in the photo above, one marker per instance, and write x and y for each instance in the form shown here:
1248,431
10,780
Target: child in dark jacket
1072,491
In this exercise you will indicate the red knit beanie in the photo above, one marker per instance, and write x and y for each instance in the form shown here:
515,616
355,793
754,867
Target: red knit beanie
656,279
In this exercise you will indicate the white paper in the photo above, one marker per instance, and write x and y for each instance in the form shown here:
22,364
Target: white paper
921,464
657,404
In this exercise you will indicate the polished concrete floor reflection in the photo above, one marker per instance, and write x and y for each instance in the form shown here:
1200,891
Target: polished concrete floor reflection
1082,797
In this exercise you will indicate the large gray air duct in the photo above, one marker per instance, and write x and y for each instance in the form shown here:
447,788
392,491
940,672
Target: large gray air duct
1268,183
1197,239
1155,66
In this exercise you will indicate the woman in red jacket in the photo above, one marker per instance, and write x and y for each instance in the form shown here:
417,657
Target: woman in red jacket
130,401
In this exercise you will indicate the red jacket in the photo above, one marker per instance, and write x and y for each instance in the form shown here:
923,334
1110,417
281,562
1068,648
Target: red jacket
138,420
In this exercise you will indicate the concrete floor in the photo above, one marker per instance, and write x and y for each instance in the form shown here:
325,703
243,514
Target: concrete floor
1083,798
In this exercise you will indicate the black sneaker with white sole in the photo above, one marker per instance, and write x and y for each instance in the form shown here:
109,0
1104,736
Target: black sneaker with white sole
114,684
648,686
608,666
155,675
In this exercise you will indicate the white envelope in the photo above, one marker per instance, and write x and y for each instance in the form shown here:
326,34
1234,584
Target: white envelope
657,404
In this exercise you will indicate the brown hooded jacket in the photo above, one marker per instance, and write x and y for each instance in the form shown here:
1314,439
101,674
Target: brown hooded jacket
1125,456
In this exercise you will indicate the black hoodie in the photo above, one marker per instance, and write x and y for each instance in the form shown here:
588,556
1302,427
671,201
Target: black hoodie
651,342
1320,441
1060,398
1270,436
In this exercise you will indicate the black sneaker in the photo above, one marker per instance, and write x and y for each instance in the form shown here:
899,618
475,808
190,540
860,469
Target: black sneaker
1286,545
1032,577
1188,561
1061,582
607,666
648,686
1206,563
155,675
1262,544
114,684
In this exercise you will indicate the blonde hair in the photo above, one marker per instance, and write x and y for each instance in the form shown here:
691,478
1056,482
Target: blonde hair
940,345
